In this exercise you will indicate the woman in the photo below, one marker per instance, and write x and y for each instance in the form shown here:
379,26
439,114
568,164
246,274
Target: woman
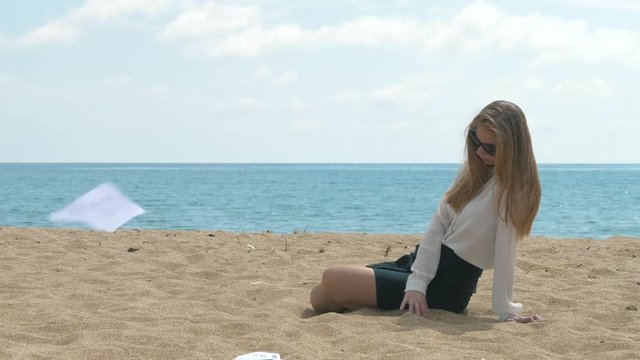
491,205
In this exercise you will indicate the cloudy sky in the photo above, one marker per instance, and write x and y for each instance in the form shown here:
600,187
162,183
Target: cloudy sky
313,81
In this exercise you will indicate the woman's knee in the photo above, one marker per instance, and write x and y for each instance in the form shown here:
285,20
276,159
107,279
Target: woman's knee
345,284
328,291
318,299
323,295
332,280
344,287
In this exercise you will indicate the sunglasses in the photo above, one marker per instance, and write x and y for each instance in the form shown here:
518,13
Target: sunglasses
488,148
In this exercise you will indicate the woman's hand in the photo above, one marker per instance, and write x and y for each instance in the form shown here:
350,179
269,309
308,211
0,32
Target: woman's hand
415,302
525,319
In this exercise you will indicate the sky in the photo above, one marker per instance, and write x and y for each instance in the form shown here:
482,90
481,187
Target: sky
280,81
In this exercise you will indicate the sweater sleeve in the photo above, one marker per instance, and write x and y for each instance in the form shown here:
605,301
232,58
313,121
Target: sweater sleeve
504,270
426,264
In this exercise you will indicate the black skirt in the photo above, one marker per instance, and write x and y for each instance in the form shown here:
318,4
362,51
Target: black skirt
451,288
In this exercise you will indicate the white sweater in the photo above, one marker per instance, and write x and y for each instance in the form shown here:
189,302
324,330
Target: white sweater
477,235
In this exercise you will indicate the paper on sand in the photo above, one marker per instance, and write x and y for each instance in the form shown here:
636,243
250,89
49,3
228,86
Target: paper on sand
258,356
103,208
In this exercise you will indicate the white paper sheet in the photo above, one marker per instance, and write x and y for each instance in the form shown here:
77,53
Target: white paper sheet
103,208
258,356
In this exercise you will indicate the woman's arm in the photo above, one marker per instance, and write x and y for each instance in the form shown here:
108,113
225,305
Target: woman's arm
504,270
426,264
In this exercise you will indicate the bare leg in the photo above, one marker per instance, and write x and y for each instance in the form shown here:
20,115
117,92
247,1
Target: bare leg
344,287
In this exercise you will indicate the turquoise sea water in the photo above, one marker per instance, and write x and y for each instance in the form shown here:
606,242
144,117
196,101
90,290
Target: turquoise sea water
594,201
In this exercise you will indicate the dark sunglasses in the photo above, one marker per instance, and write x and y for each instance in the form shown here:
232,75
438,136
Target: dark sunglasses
488,148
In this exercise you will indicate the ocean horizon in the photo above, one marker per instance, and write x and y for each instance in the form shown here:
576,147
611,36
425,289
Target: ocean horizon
587,200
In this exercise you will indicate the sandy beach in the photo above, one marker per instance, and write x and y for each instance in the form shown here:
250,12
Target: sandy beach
73,294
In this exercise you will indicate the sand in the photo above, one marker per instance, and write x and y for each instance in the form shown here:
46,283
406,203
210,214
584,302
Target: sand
73,294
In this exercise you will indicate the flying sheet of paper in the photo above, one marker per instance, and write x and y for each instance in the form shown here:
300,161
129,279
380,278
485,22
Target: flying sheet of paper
103,208
258,356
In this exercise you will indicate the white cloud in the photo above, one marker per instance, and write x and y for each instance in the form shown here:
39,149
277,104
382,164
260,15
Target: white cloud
374,31
265,73
286,78
620,5
534,83
51,33
262,72
389,92
332,124
68,28
482,27
479,29
297,104
590,88
234,104
415,90
211,19
365,32
343,97
232,30
160,90
404,94
247,102
255,40
103,10
117,81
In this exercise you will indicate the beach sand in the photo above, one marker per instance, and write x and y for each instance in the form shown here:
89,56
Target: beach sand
73,294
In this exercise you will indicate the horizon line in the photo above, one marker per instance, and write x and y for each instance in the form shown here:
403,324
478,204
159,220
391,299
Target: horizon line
284,163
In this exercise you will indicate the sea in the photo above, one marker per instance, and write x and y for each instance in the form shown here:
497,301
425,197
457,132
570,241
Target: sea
594,201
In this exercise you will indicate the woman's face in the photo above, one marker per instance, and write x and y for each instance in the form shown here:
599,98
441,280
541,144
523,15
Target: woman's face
488,137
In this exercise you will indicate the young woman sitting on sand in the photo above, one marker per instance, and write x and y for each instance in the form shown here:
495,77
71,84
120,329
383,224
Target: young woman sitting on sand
491,205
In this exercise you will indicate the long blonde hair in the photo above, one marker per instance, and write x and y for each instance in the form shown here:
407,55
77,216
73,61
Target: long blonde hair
515,170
